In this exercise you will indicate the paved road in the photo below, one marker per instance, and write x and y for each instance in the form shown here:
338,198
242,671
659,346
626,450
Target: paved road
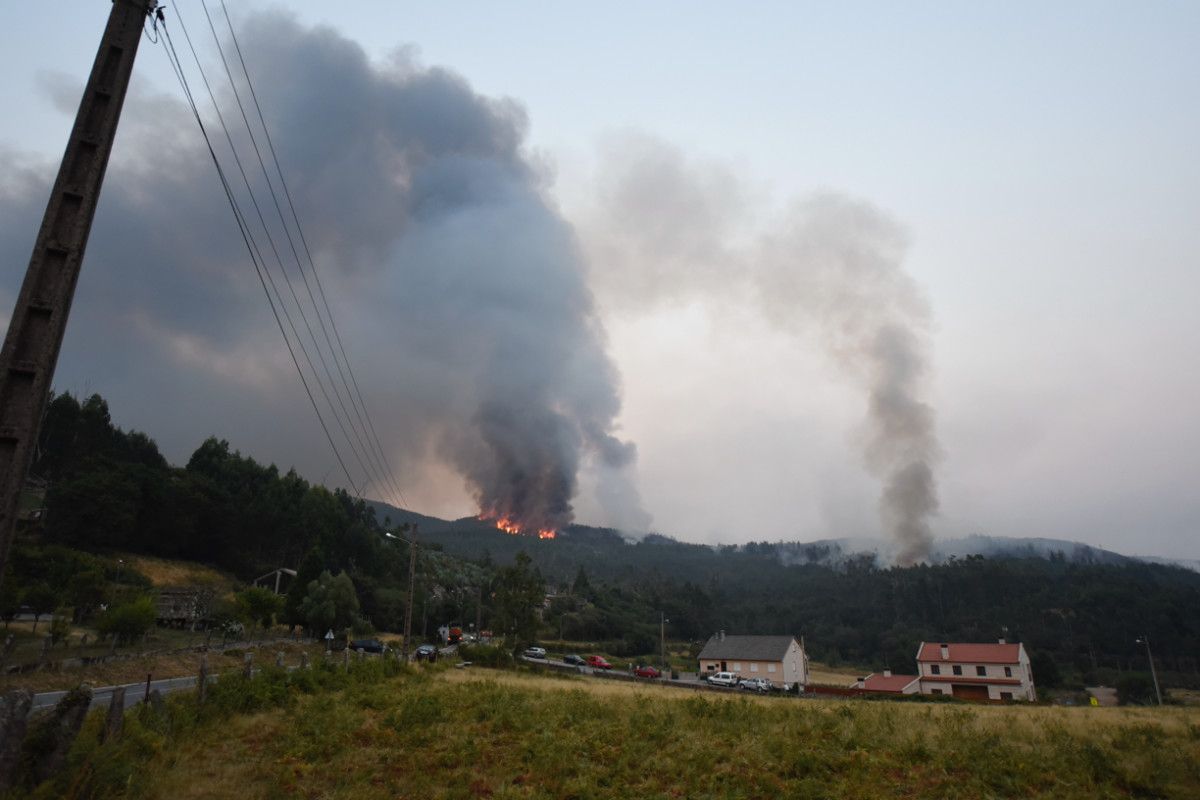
134,692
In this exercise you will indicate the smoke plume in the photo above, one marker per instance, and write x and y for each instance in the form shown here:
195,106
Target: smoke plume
827,268
461,292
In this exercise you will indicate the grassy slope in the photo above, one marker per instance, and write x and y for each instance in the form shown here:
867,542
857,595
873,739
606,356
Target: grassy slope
503,735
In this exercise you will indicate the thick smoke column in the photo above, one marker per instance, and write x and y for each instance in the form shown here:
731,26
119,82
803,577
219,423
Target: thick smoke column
461,292
828,267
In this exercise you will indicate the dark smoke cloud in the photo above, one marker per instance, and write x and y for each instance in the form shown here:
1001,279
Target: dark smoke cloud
829,267
461,293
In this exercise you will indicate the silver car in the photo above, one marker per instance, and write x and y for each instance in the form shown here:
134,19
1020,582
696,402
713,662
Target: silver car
761,685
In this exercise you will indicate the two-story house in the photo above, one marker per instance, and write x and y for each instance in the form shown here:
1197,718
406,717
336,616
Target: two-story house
974,671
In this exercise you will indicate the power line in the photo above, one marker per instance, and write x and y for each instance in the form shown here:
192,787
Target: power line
251,246
357,393
278,259
369,466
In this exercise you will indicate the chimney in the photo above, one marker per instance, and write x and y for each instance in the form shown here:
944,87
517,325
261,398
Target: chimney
1003,641
721,636
887,673
945,652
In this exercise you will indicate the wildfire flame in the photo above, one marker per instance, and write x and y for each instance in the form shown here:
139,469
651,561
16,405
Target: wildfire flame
514,528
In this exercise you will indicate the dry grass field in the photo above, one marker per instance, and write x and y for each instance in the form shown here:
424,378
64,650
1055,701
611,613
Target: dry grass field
449,733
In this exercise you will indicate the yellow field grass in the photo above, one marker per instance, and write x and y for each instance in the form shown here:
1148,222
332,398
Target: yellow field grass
165,572
483,733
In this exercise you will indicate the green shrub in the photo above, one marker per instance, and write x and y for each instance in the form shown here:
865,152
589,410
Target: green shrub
129,621
486,655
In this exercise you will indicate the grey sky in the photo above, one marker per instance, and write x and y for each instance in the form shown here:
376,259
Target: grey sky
1040,160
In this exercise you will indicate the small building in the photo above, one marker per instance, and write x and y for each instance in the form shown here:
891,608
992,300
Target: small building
975,671
183,606
887,683
779,659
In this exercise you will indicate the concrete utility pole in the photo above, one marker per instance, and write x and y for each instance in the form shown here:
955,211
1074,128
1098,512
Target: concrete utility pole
412,579
39,320
1144,639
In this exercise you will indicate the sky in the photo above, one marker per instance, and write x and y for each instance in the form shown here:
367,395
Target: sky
1034,167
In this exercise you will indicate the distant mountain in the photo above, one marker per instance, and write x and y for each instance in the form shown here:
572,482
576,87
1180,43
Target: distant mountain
834,552
471,537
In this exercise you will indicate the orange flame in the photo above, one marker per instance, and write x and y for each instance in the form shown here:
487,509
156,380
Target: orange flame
514,528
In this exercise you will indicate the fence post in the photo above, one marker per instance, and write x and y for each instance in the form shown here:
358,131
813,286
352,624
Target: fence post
67,719
279,659
14,721
304,661
248,665
202,679
116,714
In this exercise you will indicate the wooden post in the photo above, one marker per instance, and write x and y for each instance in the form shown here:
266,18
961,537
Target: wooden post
67,719
202,679
248,665
279,659
115,719
303,660
14,722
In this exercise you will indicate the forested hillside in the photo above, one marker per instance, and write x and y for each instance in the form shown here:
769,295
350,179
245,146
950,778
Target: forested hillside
109,491
1077,618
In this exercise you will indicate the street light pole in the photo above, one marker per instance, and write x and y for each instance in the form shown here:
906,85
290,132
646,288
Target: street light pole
412,578
662,636
1153,673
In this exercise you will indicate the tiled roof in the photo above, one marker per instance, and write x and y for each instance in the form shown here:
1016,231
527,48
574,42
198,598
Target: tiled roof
747,648
973,653
887,683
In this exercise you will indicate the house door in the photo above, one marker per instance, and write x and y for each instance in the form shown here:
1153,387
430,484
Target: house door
969,692
723,667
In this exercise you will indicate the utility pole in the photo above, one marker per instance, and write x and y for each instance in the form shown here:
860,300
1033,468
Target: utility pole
39,319
412,579
662,636
1153,673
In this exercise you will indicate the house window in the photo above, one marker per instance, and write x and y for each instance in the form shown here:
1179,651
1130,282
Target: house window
770,667
754,667
737,667
935,670
1006,695
957,669
1008,672
935,691
981,670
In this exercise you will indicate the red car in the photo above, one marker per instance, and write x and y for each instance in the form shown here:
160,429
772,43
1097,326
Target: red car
598,662
647,672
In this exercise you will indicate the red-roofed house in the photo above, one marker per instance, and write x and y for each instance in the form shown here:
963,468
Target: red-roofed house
976,671
889,683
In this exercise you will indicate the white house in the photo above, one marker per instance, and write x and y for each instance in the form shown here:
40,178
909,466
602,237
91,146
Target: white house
779,659
976,671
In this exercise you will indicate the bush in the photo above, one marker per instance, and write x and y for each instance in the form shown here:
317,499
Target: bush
129,621
486,655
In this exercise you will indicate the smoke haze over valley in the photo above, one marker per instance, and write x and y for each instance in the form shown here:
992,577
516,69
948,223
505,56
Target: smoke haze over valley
818,288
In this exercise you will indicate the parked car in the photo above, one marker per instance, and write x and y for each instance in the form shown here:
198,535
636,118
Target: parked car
535,652
727,679
761,685
574,660
367,645
598,662
647,672
426,652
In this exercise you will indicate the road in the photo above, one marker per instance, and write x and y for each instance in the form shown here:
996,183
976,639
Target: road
134,692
